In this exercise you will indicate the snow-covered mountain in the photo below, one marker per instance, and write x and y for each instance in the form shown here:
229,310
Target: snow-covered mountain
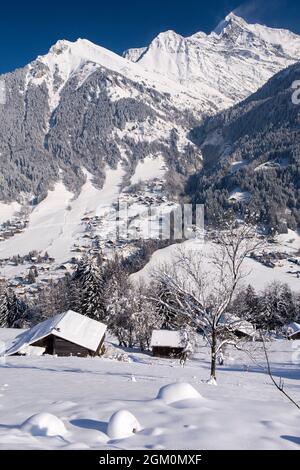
234,60
83,106
82,58
82,123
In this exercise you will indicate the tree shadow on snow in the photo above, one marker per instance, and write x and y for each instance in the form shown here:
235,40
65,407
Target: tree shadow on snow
50,369
8,426
294,439
90,424
287,372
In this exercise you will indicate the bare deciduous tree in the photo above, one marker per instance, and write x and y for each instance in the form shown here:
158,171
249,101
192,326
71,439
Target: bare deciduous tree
203,282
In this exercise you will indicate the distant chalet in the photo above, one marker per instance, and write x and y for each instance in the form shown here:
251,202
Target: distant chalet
167,343
293,331
65,334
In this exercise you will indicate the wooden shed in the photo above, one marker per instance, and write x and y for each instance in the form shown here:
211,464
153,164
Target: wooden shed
239,327
65,334
293,331
167,343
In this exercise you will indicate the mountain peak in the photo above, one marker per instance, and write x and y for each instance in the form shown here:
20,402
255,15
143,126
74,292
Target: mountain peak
167,39
234,18
230,20
223,63
170,33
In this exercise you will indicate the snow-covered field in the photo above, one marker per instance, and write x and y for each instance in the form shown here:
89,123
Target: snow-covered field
244,411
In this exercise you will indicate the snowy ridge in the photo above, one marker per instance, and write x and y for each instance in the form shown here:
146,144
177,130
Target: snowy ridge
66,59
224,61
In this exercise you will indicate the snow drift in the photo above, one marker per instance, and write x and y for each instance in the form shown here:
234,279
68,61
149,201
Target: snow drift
176,392
122,424
44,424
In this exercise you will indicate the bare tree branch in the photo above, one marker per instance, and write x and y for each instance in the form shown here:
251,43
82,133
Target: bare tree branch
278,386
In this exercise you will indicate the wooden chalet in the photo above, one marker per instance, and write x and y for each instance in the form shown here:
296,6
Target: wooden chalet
239,327
167,343
293,331
65,334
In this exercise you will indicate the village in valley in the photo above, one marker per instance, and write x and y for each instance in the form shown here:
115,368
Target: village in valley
118,230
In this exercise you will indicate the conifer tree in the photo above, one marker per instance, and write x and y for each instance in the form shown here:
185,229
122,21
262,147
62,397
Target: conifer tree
4,307
90,281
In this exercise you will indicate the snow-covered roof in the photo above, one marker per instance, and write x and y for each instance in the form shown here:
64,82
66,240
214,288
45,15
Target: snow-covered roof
69,325
293,328
237,324
167,338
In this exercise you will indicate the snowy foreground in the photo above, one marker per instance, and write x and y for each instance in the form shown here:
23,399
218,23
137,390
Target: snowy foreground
81,394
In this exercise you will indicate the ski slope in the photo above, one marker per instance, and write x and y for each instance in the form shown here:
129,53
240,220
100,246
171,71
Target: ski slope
148,169
55,223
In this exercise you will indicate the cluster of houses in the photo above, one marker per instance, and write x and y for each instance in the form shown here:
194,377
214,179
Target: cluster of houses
270,259
11,228
277,259
73,334
40,270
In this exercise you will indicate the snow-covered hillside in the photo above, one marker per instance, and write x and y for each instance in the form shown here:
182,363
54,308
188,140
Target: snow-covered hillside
73,399
256,273
56,223
66,226
7,211
234,60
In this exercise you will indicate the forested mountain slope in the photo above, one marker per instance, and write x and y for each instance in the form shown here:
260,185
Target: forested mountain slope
251,156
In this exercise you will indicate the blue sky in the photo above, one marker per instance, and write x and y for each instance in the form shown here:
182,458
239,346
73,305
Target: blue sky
30,28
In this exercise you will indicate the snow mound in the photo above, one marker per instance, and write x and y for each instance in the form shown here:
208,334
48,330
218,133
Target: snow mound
44,424
212,381
122,424
175,392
